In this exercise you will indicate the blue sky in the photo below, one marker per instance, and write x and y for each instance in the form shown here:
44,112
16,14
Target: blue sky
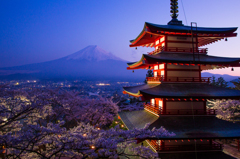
39,30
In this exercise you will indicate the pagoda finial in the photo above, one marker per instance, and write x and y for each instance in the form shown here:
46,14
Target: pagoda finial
174,9
174,15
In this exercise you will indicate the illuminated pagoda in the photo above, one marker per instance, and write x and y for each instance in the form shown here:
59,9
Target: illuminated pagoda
177,92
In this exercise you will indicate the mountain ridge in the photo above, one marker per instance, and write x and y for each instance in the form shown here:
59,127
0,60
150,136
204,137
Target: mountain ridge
92,62
92,53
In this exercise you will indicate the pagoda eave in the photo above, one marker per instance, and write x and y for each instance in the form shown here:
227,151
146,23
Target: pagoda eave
132,94
184,127
184,59
146,38
196,58
146,96
182,91
205,36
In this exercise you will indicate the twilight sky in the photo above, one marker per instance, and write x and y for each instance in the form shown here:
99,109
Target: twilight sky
41,30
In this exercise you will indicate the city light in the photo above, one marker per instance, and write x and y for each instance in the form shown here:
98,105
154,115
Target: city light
103,84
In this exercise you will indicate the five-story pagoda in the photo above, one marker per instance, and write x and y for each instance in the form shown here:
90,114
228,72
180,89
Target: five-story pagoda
177,92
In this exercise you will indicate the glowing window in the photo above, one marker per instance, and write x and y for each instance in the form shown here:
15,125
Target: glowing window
161,66
153,101
156,67
162,73
162,39
159,142
160,104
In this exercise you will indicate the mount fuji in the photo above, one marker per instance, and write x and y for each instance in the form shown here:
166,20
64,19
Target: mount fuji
92,53
90,63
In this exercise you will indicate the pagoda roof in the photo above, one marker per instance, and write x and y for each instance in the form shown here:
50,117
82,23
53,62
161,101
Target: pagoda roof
135,90
187,29
184,58
156,30
183,90
185,127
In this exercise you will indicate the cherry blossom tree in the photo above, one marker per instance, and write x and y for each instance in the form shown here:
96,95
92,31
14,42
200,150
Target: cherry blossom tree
226,109
57,123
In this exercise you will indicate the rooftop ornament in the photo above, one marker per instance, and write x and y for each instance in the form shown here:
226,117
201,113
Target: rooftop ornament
174,15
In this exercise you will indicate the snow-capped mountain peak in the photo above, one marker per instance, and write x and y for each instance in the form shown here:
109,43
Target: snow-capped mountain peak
92,53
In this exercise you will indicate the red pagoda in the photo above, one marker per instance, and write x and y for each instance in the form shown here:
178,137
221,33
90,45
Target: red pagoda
177,92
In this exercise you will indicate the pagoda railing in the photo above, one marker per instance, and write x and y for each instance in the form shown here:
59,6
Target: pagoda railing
154,108
155,79
179,79
184,49
188,79
156,51
190,147
198,147
180,49
188,112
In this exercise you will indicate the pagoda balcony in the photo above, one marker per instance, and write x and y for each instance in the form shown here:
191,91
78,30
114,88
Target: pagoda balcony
155,110
188,112
190,147
159,79
179,49
188,79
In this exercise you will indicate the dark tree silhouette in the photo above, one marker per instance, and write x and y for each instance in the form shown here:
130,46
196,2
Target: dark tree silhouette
237,84
220,82
149,74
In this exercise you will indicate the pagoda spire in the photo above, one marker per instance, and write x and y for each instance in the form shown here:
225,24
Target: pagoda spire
174,9
174,15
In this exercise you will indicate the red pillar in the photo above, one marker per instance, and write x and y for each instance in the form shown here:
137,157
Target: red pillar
205,107
200,76
238,144
162,145
166,43
165,72
164,106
